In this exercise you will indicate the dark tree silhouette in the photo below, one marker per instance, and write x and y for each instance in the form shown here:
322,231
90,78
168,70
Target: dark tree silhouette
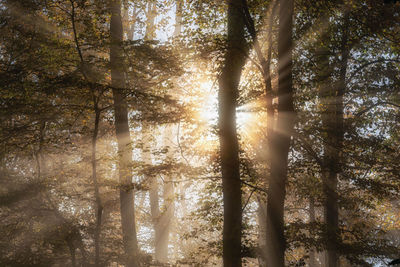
229,80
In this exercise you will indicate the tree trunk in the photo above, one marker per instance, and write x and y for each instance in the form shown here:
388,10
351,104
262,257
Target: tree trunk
99,207
123,137
312,262
178,18
72,252
153,190
160,228
329,178
128,22
279,143
165,222
262,218
131,29
82,250
266,72
151,15
228,83
323,77
88,78
39,154
331,98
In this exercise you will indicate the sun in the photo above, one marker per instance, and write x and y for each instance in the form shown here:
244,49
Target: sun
208,108
203,102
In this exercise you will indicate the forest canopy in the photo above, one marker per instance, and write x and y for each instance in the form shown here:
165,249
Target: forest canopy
199,133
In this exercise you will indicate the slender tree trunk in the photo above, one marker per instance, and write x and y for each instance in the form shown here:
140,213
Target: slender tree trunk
153,191
266,72
131,29
262,218
329,179
125,20
181,189
129,22
72,252
82,250
74,241
312,262
323,76
162,221
151,15
123,137
178,18
229,148
39,154
165,222
332,122
162,228
99,207
160,246
279,143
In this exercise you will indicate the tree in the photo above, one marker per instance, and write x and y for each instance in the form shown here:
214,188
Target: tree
331,98
127,205
235,57
280,141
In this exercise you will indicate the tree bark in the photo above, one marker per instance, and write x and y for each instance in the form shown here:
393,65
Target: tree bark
151,15
266,72
178,18
279,143
123,137
131,29
323,77
165,221
72,252
160,220
312,262
99,207
228,83
153,191
128,22
95,99
331,98
262,218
